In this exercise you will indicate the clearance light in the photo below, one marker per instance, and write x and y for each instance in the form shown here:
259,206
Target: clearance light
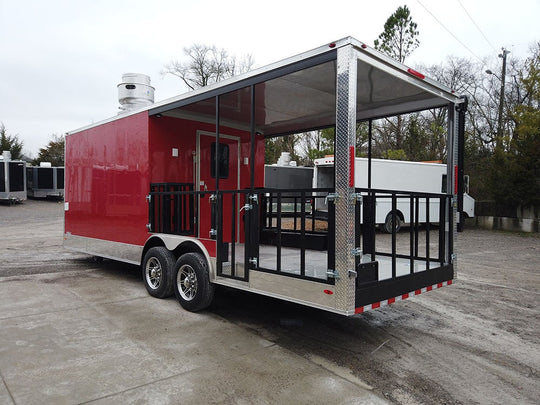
328,292
332,45
415,73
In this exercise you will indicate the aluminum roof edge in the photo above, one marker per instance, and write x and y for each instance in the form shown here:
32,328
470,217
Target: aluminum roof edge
204,92
450,94
294,63
303,60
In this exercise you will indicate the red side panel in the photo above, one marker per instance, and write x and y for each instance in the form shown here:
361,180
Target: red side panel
107,180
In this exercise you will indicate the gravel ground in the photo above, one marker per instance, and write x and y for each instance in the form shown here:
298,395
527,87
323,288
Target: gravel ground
473,342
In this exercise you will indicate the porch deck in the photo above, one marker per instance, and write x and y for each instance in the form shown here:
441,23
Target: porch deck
316,263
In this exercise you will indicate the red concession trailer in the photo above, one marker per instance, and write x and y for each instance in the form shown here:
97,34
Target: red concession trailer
178,188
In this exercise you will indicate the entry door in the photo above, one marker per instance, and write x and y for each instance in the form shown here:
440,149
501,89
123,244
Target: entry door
229,179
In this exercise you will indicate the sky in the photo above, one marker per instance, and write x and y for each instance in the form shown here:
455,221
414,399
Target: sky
61,60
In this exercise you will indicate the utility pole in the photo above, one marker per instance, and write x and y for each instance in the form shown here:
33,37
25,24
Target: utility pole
499,139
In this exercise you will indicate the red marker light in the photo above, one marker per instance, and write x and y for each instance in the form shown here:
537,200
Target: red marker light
351,166
415,73
328,292
332,45
455,179
364,46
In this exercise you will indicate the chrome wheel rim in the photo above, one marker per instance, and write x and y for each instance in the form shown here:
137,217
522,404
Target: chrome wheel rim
187,282
153,273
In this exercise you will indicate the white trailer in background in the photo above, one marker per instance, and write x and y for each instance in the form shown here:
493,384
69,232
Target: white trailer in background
419,177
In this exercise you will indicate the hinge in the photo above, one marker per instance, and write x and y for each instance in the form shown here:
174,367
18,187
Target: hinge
352,273
331,197
213,232
453,258
213,198
356,197
253,261
332,274
149,227
357,252
254,198
148,198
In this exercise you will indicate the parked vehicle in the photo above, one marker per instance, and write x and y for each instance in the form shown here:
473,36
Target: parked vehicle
178,187
45,181
386,174
12,179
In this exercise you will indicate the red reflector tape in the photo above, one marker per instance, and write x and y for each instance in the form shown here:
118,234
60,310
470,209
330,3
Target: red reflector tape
455,179
351,166
389,301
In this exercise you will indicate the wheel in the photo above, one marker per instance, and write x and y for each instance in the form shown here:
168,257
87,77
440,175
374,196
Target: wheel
192,287
157,272
388,223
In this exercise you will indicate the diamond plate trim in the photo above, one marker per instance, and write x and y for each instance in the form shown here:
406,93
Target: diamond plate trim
345,137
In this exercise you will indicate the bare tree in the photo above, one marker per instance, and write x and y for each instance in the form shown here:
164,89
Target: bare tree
206,65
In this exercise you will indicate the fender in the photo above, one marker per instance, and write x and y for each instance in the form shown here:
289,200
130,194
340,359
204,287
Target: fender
173,242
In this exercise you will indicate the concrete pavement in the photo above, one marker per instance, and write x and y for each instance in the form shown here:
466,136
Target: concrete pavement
95,336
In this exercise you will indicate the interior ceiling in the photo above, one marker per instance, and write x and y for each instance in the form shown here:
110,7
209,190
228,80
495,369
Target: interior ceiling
306,99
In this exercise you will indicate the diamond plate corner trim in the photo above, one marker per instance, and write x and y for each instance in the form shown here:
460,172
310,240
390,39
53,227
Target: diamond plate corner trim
453,140
345,137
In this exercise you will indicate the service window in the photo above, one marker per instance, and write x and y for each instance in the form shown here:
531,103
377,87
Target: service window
223,161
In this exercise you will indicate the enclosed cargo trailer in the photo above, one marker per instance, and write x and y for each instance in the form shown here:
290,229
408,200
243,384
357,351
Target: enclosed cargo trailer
12,179
178,187
45,181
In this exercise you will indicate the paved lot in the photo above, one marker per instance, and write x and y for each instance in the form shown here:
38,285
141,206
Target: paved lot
76,331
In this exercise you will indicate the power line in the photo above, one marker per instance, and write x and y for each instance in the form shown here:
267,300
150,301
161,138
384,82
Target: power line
476,25
451,33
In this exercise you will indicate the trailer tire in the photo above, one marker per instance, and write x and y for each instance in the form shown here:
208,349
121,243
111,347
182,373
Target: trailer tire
157,271
388,222
191,284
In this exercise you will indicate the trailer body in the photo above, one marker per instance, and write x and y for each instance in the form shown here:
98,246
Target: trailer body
12,179
178,187
387,174
45,182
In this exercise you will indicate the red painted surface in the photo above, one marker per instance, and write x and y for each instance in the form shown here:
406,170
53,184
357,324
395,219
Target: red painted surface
107,173
109,169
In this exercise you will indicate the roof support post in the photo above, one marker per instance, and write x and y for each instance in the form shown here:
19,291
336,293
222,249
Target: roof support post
345,140
217,143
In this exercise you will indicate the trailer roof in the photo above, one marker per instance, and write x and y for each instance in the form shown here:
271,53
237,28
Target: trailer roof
299,93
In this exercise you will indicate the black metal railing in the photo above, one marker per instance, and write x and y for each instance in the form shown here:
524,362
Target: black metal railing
420,211
172,208
289,219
